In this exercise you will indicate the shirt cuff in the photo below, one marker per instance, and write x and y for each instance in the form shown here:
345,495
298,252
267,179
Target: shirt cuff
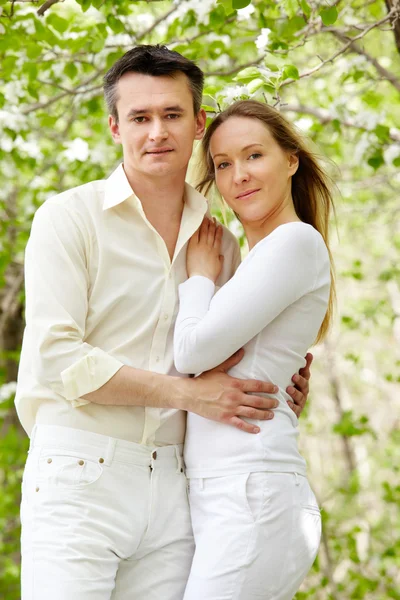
88,375
195,296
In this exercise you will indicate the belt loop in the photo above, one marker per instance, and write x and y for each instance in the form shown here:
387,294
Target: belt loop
110,451
179,460
297,479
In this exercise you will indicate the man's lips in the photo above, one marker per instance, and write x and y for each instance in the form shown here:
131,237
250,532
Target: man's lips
155,151
247,193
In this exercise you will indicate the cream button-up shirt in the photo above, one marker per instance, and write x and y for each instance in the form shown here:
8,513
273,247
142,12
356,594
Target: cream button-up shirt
102,292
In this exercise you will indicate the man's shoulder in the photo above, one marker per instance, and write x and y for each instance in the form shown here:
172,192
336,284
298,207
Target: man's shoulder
88,196
229,240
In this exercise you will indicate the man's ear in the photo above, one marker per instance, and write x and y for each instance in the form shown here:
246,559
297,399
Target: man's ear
114,128
293,164
201,119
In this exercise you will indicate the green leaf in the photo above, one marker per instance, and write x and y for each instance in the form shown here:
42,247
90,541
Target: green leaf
58,23
305,8
208,108
329,15
237,4
290,72
71,70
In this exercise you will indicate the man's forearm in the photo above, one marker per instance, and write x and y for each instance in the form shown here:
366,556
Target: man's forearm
137,387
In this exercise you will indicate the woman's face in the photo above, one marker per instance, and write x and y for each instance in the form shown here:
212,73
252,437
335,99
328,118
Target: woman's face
252,172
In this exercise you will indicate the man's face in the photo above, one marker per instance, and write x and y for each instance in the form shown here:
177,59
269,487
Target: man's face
156,125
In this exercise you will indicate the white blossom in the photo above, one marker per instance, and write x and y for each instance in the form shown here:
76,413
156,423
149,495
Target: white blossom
244,13
7,390
262,40
235,92
304,123
78,149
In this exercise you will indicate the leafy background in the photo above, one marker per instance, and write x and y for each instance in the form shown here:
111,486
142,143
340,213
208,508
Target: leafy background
332,66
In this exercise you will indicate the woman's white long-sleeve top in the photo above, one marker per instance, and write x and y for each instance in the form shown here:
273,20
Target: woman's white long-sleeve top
273,307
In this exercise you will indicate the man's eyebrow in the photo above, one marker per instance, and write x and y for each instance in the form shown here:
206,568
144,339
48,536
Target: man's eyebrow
242,150
135,112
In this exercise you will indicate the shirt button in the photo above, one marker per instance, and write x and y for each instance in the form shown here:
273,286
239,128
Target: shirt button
166,317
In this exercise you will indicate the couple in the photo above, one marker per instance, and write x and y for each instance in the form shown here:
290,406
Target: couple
105,512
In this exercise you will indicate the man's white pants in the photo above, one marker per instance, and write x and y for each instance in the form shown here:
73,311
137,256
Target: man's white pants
103,519
256,536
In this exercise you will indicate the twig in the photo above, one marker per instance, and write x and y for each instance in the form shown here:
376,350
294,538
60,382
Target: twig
46,6
342,50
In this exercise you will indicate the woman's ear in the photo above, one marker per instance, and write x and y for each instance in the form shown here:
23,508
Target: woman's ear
293,164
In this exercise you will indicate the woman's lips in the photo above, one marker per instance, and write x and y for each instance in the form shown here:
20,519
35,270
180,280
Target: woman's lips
247,194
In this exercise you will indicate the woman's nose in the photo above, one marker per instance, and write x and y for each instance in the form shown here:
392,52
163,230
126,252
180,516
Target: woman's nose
240,175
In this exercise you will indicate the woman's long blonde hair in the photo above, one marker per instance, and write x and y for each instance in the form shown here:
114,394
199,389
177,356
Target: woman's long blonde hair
311,186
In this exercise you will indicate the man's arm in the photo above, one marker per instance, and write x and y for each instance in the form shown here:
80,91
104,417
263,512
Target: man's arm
56,311
214,395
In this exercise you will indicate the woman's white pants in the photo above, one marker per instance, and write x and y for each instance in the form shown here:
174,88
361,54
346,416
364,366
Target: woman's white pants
256,536
103,519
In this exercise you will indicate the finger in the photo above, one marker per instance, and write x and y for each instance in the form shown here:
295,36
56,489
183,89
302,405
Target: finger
230,362
254,385
297,397
203,230
243,425
218,238
211,233
261,403
254,413
294,408
301,383
305,371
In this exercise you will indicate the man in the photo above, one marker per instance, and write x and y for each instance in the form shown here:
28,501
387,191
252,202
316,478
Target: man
104,510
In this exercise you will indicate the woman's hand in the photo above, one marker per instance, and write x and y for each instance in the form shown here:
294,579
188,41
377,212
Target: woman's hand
203,253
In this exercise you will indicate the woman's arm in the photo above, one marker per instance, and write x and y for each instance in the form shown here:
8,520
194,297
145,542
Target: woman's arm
211,328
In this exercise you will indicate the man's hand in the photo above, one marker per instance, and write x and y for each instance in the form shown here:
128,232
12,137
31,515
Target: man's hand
219,397
299,393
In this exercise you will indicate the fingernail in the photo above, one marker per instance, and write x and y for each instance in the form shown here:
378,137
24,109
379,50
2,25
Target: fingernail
276,389
290,390
295,377
256,429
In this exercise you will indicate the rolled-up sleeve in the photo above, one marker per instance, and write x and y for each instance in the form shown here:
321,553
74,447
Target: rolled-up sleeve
57,287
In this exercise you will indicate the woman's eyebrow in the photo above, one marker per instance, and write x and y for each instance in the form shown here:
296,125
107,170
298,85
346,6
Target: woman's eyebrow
242,150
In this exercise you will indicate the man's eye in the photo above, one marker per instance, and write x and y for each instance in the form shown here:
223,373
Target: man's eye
173,116
223,166
254,155
139,119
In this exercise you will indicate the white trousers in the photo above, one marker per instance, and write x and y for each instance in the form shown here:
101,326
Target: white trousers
256,536
103,519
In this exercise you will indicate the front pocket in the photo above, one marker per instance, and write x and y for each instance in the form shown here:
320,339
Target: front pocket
69,470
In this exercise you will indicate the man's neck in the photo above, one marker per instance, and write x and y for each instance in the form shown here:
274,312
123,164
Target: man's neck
161,197
162,200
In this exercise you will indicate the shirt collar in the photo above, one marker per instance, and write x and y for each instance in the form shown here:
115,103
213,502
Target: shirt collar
117,190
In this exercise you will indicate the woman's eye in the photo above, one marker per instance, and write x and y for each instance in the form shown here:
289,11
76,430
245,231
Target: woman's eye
254,155
223,166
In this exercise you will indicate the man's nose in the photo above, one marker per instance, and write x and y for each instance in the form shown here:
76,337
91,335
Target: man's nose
158,131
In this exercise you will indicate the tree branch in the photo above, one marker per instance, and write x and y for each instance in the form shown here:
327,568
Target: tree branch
156,23
324,117
395,4
388,17
46,6
253,63
371,59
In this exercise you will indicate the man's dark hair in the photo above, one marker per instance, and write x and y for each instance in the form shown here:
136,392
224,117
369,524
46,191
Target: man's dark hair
156,61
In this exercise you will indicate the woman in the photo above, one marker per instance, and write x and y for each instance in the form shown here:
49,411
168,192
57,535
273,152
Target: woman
255,518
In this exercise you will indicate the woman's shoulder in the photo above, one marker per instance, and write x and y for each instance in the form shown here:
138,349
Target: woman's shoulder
295,237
